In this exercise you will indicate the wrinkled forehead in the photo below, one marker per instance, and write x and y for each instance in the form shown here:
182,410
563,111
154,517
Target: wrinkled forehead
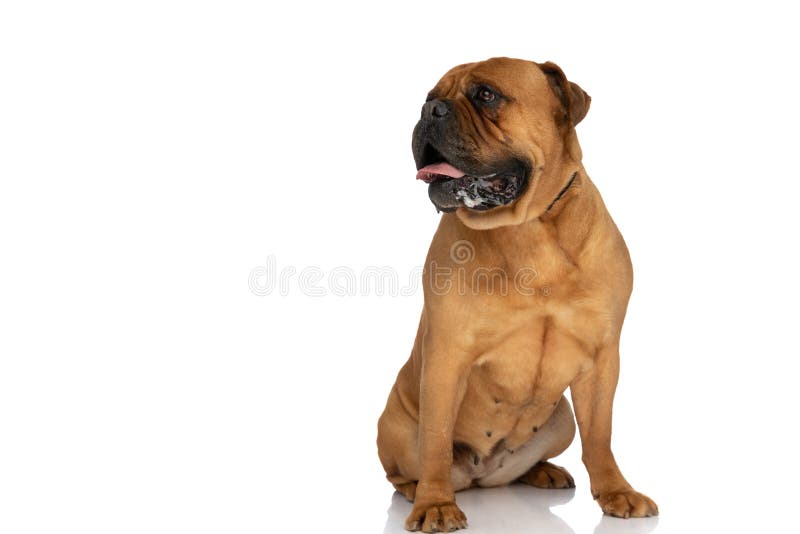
505,74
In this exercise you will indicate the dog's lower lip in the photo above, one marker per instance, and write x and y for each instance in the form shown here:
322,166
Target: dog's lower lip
478,193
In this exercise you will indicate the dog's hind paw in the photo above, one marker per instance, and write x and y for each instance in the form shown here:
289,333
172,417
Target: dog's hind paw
548,476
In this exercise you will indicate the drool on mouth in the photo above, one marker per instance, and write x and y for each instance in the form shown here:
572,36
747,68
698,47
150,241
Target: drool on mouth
450,188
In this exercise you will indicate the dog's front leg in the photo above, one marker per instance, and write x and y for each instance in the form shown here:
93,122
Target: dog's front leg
442,384
593,397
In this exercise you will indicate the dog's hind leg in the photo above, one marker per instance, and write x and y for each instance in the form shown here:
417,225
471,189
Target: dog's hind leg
397,446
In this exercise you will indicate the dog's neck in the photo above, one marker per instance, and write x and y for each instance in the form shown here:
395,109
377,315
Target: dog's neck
562,192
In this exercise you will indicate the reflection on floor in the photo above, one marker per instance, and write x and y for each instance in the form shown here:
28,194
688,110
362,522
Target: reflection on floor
516,509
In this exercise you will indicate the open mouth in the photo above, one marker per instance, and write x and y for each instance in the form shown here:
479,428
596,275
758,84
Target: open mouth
450,187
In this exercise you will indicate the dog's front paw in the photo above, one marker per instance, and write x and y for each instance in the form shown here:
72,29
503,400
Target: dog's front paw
442,517
626,504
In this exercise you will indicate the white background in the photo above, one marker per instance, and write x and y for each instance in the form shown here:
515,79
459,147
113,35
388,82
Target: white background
152,154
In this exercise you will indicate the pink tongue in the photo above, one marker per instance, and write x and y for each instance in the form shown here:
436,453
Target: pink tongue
429,172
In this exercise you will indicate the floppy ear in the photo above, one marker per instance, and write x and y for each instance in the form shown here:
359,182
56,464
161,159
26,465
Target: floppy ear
574,99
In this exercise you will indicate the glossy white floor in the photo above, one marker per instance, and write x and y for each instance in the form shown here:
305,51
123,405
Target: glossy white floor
520,508
690,500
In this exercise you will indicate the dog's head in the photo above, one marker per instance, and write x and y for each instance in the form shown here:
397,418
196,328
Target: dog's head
493,138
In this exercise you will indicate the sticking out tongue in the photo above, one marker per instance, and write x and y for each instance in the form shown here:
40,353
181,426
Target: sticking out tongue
429,173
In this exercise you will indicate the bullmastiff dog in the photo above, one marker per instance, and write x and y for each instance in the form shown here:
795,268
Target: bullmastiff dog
526,285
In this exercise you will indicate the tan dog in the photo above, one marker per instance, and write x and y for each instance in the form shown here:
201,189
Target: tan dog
526,285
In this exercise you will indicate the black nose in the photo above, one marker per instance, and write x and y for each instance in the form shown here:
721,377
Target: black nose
435,109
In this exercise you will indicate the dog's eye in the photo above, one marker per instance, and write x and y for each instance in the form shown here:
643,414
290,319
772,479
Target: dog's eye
486,95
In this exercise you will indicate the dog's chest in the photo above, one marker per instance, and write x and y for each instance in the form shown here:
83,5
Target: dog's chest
532,365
